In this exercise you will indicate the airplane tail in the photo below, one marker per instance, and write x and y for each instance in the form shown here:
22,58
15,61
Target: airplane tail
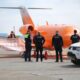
26,17
24,14
27,21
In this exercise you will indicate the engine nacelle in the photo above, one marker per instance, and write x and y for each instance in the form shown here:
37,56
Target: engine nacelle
23,29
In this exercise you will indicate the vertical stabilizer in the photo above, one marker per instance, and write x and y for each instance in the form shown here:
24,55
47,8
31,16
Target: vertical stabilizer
26,17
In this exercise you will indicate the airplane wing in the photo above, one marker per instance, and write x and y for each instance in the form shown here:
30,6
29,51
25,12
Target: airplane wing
13,44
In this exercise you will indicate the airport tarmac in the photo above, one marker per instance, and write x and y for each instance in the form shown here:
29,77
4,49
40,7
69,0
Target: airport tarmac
18,69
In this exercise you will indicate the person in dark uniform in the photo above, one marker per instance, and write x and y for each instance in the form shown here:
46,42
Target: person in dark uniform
28,46
57,42
39,41
75,37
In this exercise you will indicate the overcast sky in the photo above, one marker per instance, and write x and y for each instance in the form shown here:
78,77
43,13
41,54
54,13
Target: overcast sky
63,12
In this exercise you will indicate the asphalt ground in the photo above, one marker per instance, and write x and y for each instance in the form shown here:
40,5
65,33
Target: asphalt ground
17,69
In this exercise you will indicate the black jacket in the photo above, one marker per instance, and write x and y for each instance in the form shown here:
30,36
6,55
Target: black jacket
57,41
38,40
75,38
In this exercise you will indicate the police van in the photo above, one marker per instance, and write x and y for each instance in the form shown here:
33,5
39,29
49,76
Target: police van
74,53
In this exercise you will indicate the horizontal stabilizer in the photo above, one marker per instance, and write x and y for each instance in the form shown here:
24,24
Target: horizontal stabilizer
23,7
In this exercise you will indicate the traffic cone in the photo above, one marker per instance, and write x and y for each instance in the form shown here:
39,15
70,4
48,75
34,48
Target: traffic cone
46,55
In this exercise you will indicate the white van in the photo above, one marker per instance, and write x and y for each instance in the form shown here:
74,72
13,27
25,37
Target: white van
74,53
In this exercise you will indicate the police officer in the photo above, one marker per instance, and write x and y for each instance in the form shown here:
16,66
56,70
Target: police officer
39,41
28,47
75,37
57,42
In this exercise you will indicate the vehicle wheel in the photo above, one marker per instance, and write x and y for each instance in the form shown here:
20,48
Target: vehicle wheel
76,62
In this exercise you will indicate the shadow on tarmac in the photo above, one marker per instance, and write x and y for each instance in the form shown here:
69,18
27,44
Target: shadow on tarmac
71,66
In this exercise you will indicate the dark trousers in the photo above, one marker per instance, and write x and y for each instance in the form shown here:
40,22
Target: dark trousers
59,53
27,55
39,50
